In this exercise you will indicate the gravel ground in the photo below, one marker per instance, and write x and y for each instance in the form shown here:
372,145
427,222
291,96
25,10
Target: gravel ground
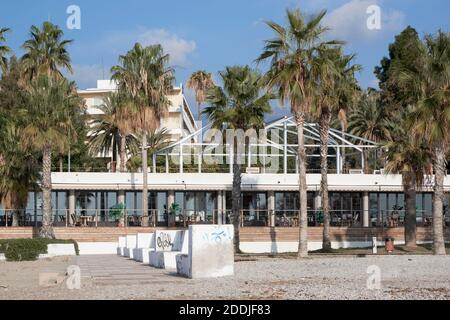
319,277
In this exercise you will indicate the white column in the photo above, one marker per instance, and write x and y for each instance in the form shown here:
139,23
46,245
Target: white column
219,207
271,207
121,197
317,201
170,202
365,217
71,206
224,207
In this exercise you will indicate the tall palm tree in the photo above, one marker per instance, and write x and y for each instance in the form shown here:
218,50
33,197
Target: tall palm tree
336,84
110,132
200,81
49,125
145,78
292,52
46,52
3,49
429,83
409,157
18,170
239,105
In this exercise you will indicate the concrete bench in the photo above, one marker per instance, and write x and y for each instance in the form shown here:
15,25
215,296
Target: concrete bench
210,252
168,244
130,246
145,242
122,243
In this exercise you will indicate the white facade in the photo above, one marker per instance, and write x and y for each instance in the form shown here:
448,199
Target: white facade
179,119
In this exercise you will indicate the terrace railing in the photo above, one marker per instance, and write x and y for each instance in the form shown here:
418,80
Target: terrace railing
183,218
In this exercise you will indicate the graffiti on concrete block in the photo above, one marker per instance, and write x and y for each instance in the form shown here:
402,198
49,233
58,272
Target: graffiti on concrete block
218,235
164,241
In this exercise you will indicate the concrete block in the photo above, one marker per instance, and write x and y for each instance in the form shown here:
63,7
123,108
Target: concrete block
122,243
143,255
144,243
170,240
164,260
183,265
2,257
168,244
211,253
131,244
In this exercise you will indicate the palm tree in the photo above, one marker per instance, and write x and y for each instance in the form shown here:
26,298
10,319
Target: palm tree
18,172
110,132
370,120
292,53
156,141
49,125
200,81
145,78
336,84
3,49
429,83
409,157
46,52
239,105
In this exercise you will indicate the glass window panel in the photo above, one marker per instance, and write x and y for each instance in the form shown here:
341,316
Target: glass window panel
129,200
200,202
428,203
62,203
373,205
179,199
190,202
419,203
401,201
392,201
279,201
161,203
261,201
383,202
210,202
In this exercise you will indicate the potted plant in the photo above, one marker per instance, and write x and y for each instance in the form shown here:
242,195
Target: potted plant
174,208
319,217
117,213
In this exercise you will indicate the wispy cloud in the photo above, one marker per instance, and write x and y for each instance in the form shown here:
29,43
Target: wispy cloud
178,48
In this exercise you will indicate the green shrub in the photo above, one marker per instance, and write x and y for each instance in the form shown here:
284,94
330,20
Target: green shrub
29,249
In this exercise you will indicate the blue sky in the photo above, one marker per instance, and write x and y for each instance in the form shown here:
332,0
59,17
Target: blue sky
210,34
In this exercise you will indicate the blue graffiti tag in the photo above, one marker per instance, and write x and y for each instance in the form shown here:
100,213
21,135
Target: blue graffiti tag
217,236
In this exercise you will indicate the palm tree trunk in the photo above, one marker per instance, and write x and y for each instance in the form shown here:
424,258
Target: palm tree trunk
438,202
366,161
324,136
46,230
343,152
409,184
114,156
145,181
123,142
236,202
61,162
303,215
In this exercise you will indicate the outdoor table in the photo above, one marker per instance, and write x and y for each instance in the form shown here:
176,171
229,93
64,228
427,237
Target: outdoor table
85,220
